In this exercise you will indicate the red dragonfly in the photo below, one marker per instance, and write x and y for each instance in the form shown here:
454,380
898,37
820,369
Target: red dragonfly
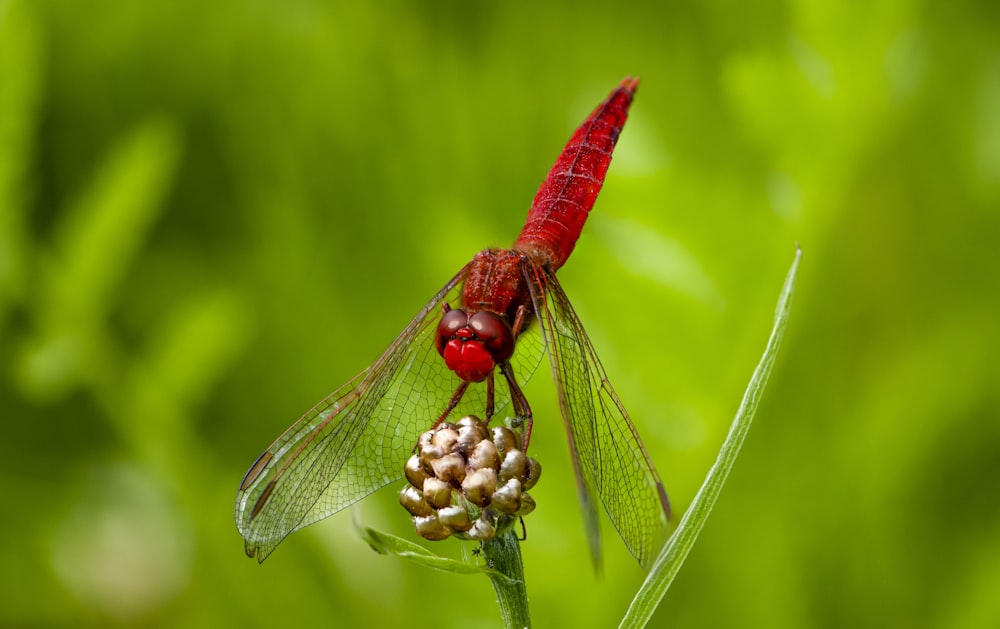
500,313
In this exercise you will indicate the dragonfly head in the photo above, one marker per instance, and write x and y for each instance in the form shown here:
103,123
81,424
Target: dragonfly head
472,345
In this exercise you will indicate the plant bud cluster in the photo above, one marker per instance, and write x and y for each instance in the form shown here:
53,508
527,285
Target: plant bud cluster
468,480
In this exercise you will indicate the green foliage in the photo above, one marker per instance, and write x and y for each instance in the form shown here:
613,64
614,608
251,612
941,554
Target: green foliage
211,215
678,547
387,544
503,565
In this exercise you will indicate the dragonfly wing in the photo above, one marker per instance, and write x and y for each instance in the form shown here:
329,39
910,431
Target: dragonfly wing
354,441
528,353
357,439
608,456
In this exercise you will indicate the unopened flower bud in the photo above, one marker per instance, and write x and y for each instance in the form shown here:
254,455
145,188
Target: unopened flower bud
480,485
505,439
437,493
429,454
513,466
482,528
533,473
430,527
484,456
508,497
527,504
468,480
456,518
450,467
470,433
445,438
415,472
413,500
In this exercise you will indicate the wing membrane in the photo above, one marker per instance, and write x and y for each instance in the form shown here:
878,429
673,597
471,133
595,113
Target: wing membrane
609,459
357,439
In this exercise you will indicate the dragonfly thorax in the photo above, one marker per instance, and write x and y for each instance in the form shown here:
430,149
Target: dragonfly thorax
473,345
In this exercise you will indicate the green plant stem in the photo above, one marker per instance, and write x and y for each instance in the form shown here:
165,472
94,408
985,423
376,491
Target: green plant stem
676,550
503,555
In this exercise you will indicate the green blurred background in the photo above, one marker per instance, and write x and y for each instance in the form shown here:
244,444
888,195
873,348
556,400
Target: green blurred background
213,214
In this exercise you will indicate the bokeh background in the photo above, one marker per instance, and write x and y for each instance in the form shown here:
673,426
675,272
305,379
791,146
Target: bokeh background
213,214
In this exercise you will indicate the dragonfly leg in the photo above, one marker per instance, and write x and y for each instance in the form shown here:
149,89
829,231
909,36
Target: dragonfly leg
489,397
518,400
518,321
456,397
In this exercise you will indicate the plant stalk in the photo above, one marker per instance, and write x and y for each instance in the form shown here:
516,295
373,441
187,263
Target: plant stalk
503,554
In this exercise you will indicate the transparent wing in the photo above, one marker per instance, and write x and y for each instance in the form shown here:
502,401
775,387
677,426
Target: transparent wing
357,439
609,459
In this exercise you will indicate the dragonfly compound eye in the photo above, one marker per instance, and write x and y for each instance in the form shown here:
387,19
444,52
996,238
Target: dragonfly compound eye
494,333
473,345
451,322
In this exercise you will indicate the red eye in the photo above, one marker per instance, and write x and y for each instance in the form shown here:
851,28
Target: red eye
451,322
494,333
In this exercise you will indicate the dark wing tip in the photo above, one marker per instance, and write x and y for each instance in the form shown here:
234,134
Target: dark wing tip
255,550
664,501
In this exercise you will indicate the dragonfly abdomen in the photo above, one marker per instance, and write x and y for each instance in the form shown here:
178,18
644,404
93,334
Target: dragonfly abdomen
568,193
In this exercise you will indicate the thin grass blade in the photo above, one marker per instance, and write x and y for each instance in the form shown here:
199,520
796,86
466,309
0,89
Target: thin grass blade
676,550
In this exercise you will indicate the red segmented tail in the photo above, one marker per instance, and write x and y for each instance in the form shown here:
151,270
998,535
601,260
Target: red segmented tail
565,197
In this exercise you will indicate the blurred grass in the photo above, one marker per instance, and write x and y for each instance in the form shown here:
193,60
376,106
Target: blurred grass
212,215
676,549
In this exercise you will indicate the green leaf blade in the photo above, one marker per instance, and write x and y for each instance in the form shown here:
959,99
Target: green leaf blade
677,548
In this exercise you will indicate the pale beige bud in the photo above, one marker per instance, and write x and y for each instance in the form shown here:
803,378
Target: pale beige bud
482,529
456,518
470,432
430,453
415,472
508,497
430,527
484,456
445,438
480,485
505,439
450,467
413,500
513,466
437,493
